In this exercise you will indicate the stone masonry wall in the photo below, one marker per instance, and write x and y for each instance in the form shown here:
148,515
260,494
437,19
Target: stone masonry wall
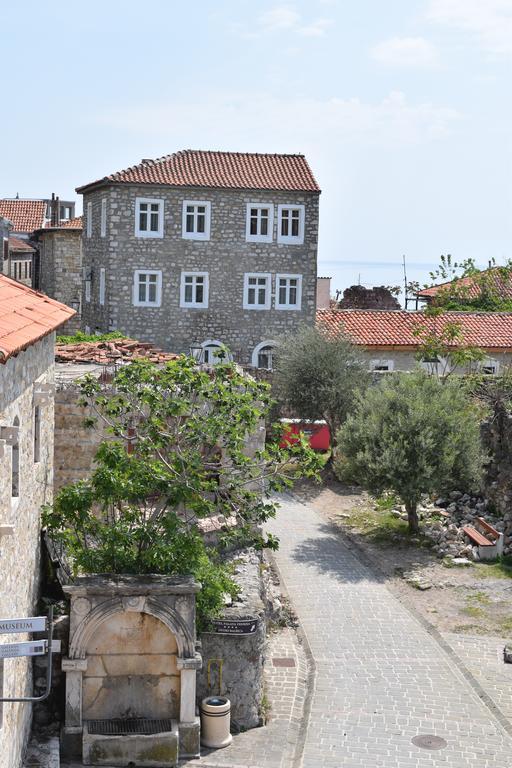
497,439
61,270
226,257
19,553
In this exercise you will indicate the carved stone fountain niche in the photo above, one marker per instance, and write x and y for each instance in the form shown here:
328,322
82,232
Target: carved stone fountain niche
131,671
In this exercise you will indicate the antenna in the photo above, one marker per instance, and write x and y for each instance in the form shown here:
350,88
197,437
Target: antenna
405,282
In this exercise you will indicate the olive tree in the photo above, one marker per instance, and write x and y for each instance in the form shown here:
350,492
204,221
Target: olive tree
318,376
413,435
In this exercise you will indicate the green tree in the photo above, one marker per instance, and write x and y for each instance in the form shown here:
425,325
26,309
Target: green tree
178,453
318,376
442,344
413,435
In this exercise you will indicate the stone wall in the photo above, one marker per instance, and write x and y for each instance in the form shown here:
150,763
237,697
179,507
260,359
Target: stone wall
242,656
359,297
226,257
497,439
60,270
20,552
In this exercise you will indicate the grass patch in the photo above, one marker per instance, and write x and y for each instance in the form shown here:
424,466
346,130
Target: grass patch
475,605
506,625
79,337
502,569
386,502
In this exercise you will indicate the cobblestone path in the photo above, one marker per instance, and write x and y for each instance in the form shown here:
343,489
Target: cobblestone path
380,678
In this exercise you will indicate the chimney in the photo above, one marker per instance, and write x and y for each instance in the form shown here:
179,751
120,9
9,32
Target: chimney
323,292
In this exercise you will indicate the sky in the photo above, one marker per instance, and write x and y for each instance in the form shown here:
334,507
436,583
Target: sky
403,109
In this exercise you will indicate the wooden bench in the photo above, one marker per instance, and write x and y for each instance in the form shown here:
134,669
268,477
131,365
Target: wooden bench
488,540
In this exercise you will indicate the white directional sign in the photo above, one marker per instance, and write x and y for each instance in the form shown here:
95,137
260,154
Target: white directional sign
30,624
32,648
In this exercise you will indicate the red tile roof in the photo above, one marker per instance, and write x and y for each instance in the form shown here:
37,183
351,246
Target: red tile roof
17,245
26,316
231,170
112,351
470,287
394,328
76,223
25,215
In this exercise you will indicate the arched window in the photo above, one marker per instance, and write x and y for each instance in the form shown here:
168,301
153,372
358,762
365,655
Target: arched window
212,352
15,464
264,354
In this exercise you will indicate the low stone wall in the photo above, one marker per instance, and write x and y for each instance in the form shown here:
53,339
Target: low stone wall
497,439
242,656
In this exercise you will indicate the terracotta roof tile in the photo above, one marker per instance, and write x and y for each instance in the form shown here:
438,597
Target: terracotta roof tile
17,245
113,351
25,215
26,316
469,286
76,223
381,328
232,170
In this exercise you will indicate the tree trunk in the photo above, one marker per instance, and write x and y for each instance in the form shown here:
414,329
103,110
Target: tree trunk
412,517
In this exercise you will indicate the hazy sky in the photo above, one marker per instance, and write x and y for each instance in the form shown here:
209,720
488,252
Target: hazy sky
402,107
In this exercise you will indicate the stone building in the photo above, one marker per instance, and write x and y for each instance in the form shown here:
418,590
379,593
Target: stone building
60,265
27,335
21,260
389,340
203,249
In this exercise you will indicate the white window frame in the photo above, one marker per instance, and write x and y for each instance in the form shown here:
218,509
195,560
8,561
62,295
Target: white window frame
88,290
206,291
375,363
103,273
487,363
291,239
103,220
215,343
287,306
150,201
257,349
135,295
268,294
196,235
268,238
89,220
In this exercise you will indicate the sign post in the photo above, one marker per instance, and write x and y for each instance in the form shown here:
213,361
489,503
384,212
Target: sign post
30,648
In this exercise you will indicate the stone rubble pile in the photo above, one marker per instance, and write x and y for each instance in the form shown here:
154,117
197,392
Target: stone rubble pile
443,520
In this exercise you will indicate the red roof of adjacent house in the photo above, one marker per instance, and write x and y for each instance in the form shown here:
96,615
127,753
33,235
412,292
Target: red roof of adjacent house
232,170
470,287
25,215
26,316
395,328
76,223
18,245
113,351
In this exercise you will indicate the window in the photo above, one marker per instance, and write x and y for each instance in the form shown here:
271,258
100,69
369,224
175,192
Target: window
6,248
15,463
87,290
65,212
196,220
489,367
37,434
194,290
102,285
381,366
103,223
290,225
89,220
259,226
149,217
256,291
214,352
288,291
263,355
147,288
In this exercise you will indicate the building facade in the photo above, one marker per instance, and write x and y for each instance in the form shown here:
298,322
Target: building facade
203,249
27,323
60,266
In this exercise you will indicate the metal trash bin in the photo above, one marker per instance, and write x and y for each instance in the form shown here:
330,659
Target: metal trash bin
215,722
